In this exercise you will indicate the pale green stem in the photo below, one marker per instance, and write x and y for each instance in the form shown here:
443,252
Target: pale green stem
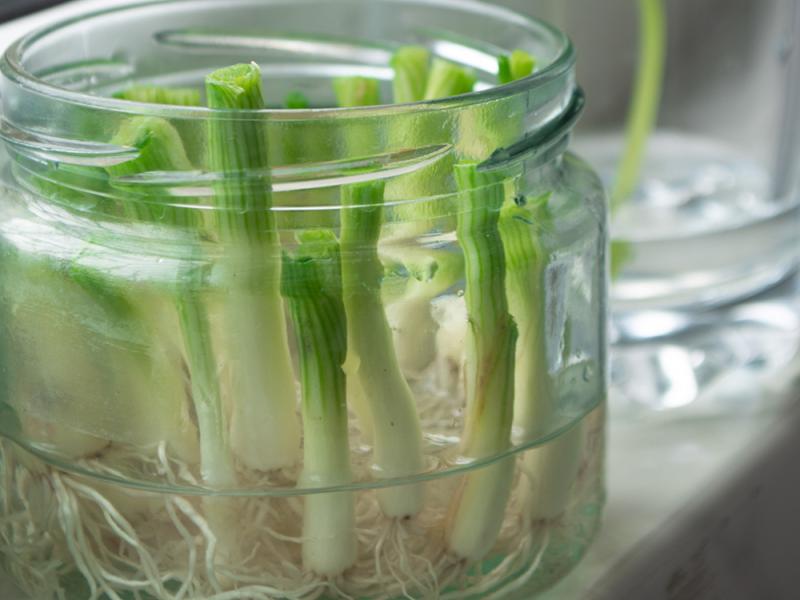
264,430
397,438
646,96
160,95
477,511
534,396
312,286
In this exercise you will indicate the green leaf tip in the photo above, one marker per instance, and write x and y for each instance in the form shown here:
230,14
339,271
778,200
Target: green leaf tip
159,146
448,79
145,132
236,87
365,193
510,68
152,94
296,100
356,91
410,65
313,267
621,253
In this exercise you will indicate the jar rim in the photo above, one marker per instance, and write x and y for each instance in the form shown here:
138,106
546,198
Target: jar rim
11,64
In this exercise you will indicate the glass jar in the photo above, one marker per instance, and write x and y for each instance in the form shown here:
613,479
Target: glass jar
320,352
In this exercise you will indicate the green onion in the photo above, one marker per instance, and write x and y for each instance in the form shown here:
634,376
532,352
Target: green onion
397,438
216,462
356,91
510,68
447,79
646,95
264,429
621,252
552,468
410,65
431,272
161,95
313,288
527,260
352,92
296,100
477,512
441,80
641,118
161,149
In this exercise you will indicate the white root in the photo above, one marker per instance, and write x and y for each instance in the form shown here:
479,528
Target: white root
55,525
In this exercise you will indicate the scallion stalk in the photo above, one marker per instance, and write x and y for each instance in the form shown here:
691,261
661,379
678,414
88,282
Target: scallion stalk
552,468
478,510
264,429
516,66
160,95
356,91
440,80
526,262
645,99
431,272
447,79
216,461
437,80
352,92
642,117
397,438
296,100
161,149
313,288
410,65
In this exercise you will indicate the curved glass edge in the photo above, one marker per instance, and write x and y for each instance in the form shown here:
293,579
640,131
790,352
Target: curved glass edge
72,466
11,66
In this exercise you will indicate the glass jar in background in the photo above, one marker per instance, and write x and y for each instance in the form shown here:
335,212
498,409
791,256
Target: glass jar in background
693,122
319,352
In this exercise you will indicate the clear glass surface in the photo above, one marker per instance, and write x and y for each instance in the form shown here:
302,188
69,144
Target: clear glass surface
153,329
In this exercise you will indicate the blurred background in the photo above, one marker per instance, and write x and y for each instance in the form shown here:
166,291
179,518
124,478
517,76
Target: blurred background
12,9
707,227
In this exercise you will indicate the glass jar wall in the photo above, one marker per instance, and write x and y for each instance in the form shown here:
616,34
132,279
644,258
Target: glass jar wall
256,352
